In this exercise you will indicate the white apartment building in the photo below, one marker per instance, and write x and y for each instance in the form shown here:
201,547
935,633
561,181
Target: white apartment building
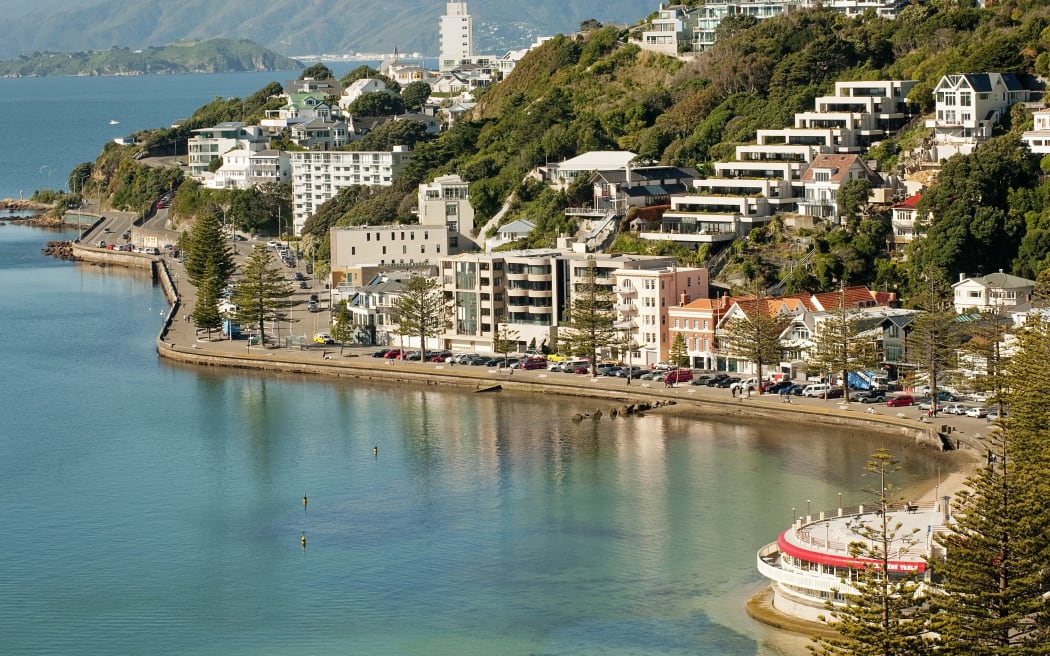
359,88
456,34
968,106
243,169
1038,138
387,245
446,202
713,11
318,176
529,292
208,144
645,297
673,26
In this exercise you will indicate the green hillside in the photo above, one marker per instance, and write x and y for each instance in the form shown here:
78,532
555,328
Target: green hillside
598,92
214,56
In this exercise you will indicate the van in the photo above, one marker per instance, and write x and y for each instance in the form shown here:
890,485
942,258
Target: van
570,366
678,376
816,390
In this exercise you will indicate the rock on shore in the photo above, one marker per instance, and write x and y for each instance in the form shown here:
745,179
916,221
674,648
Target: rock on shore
19,204
63,250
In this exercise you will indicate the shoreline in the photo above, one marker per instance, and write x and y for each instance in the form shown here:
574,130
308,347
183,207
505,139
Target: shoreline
961,462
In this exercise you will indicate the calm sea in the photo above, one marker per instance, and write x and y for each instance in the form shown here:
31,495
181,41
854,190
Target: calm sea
155,509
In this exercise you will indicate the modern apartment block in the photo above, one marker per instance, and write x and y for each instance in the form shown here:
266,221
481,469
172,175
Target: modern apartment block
446,202
243,169
531,291
318,176
645,297
774,175
713,11
457,36
672,28
208,144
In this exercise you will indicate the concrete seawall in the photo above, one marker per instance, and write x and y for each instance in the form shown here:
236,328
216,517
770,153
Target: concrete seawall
258,358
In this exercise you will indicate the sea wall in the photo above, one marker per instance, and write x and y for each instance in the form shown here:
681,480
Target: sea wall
673,400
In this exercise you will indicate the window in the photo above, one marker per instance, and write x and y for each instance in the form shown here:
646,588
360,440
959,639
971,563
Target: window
353,250
676,323
384,250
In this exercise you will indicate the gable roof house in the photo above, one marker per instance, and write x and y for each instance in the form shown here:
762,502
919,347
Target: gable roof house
903,223
359,88
990,291
320,134
825,176
968,106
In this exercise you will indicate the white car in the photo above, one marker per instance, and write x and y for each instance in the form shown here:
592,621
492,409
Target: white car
981,397
977,413
955,409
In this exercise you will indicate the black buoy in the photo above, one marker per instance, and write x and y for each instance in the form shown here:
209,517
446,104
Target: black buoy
303,539
304,501
375,450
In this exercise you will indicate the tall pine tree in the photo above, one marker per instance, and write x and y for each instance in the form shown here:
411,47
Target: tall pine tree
755,335
592,319
993,577
885,616
262,291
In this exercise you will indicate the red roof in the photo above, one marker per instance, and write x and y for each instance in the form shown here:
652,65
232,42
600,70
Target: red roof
909,204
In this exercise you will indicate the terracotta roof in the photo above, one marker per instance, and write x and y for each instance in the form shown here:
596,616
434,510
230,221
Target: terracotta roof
840,165
909,204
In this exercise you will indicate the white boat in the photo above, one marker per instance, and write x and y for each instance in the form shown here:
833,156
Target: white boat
114,121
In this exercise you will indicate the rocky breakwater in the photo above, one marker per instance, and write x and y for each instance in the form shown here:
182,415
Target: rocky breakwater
22,205
62,250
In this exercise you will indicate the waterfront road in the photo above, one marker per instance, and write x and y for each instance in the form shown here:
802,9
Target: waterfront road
298,322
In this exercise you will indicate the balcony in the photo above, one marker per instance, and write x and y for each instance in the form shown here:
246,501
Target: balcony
627,308
627,292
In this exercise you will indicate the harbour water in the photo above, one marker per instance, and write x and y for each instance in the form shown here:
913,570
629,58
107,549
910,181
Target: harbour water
156,509
150,508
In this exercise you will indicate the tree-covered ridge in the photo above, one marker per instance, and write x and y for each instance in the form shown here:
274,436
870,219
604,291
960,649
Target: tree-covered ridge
213,56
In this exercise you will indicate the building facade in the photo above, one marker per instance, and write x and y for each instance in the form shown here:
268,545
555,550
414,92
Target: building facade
319,175
456,35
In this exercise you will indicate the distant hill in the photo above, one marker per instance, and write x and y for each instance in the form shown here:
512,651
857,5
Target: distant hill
214,56
293,28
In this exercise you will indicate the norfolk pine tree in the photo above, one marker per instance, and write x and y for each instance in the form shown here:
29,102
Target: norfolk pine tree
755,336
885,616
206,312
262,291
205,244
679,354
592,320
936,332
994,573
342,326
504,341
421,310
839,345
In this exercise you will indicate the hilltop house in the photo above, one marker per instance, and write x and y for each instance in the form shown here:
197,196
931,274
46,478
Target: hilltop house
825,176
991,291
968,106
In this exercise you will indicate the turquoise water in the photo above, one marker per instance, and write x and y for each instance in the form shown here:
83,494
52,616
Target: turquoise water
157,509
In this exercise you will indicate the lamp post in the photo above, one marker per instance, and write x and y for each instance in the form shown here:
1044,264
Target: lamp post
793,515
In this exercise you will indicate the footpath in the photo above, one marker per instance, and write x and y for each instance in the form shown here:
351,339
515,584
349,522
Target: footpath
178,340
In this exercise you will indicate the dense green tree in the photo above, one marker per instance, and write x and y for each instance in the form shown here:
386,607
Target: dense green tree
395,133
754,336
377,103
261,293
415,94
317,72
679,354
421,309
343,329
207,252
883,614
206,314
969,227
936,333
852,197
591,325
985,346
993,576
505,341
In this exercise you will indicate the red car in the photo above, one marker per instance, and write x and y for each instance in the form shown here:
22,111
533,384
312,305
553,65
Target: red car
900,401
393,354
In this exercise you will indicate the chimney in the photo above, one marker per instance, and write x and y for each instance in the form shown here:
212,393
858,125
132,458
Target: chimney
684,299
962,277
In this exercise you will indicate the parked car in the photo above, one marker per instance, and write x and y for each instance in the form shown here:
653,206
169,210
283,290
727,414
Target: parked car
678,376
393,354
981,397
796,389
836,392
303,285
299,276
312,306
954,409
900,401
323,338
700,380
977,413
994,415
534,363
381,353
869,397
816,390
